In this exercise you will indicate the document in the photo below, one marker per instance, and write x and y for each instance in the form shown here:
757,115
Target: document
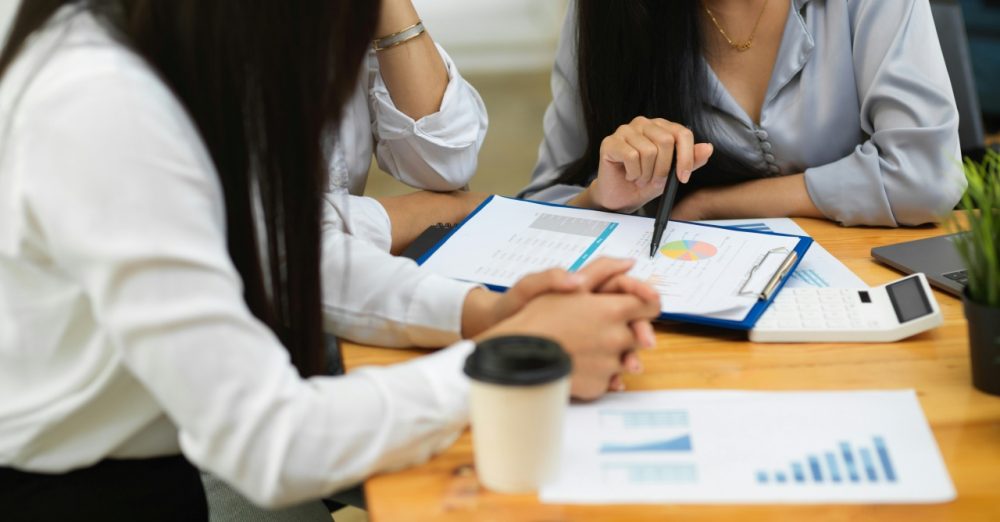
708,447
818,269
698,270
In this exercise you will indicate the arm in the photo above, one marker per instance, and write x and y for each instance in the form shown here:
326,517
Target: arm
132,212
428,122
769,197
908,171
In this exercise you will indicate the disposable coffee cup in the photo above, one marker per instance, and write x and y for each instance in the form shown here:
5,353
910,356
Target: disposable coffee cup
519,395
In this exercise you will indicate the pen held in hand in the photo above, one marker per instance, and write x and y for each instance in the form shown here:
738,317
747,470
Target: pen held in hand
663,211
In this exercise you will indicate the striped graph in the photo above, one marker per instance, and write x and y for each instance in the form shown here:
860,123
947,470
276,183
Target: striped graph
845,464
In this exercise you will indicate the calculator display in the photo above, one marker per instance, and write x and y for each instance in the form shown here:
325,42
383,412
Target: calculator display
908,299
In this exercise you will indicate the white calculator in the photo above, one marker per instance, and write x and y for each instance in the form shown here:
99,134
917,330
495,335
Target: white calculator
882,314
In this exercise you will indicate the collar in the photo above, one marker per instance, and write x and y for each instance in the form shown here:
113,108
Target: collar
797,47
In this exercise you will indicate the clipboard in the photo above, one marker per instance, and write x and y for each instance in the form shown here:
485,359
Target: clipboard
763,281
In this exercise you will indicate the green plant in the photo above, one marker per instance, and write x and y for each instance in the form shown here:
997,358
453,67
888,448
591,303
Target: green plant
980,246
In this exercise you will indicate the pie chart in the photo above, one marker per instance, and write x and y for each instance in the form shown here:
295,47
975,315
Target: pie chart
688,250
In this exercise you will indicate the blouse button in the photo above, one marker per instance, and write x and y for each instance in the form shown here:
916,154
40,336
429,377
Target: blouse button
761,134
765,146
774,169
769,157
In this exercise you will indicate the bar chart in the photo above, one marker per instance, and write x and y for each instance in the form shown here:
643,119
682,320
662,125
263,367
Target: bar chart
845,464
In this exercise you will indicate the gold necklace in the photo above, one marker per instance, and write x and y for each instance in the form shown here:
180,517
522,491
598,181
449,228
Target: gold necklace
739,46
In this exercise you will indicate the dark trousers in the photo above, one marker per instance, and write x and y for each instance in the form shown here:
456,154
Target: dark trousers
159,489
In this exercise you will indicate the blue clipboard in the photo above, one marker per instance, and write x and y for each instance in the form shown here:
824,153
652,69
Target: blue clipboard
785,271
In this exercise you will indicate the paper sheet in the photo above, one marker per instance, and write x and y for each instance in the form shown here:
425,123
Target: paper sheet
750,447
698,270
818,269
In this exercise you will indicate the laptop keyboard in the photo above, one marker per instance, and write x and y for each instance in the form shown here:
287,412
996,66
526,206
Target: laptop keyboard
959,276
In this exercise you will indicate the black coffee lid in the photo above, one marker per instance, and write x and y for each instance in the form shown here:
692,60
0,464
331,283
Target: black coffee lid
518,361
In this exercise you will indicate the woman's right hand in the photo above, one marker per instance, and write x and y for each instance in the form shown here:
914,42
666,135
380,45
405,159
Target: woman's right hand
635,162
596,329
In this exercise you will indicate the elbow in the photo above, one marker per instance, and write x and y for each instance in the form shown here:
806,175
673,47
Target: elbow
931,203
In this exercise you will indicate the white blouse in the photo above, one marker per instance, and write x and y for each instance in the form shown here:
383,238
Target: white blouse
396,306
123,330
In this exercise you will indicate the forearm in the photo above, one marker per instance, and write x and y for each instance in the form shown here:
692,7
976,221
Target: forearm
413,72
784,196
411,214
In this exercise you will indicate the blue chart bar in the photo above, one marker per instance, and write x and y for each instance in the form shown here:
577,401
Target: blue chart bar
853,462
883,456
817,473
866,458
831,464
800,476
852,471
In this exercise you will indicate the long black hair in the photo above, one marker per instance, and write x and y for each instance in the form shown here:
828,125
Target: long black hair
262,80
642,58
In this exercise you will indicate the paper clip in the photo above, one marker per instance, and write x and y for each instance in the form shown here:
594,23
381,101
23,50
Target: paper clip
776,278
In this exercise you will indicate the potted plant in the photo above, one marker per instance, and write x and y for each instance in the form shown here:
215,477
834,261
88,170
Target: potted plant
979,247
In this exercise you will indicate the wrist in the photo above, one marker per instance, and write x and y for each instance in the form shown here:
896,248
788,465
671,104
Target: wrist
586,199
478,312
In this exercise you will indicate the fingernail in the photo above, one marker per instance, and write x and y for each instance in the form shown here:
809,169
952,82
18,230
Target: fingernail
661,182
649,341
635,366
576,280
620,386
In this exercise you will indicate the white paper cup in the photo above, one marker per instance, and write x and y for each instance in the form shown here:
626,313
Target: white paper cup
520,390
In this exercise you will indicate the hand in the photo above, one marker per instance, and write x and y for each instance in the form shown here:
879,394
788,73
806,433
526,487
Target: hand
635,162
597,330
484,309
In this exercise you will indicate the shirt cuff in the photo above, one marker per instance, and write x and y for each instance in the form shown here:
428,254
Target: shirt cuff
360,217
437,301
850,190
449,127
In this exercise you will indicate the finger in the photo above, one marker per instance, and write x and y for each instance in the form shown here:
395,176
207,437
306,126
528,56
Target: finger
630,285
616,149
664,142
647,156
623,307
602,270
684,139
616,384
702,153
631,362
643,331
552,280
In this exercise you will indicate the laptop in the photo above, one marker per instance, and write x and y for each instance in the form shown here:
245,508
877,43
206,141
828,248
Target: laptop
936,257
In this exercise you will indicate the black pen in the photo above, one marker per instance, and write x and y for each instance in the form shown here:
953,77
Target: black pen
663,212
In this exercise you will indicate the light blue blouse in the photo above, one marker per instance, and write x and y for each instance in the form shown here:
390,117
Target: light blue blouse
859,100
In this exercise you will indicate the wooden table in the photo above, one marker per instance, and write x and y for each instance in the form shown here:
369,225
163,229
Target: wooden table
966,423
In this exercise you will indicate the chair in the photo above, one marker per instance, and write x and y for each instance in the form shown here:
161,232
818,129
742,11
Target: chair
955,45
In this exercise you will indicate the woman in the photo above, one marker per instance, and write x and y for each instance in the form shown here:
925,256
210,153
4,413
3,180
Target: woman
819,108
161,172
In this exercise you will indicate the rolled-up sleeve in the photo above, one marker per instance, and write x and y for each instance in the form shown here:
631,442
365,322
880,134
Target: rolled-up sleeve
439,151
908,171
372,297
